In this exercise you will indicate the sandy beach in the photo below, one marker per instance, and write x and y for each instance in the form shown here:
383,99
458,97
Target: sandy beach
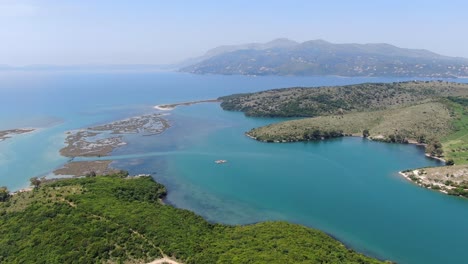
168,107
444,179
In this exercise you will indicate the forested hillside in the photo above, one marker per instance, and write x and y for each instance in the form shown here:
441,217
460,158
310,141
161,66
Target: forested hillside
118,219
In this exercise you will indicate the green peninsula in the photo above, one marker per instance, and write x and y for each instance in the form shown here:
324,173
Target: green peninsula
117,219
433,114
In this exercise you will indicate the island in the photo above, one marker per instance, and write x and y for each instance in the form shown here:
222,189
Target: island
6,134
121,219
429,113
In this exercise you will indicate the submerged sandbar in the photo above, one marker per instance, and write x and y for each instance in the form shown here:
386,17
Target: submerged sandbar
83,168
100,140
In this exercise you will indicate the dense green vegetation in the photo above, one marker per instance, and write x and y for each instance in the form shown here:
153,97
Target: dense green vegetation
455,145
4,194
119,219
309,134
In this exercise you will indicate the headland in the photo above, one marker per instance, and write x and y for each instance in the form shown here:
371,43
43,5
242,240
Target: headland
430,113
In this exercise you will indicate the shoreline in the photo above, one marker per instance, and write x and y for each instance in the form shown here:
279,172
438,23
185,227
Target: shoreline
169,107
450,180
172,259
22,190
410,142
402,173
431,185
437,158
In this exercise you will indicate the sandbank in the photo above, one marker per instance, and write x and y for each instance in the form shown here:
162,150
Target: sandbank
168,107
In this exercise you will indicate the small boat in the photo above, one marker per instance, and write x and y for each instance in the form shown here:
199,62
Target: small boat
220,161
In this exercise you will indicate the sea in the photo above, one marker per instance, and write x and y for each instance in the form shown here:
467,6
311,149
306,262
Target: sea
346,187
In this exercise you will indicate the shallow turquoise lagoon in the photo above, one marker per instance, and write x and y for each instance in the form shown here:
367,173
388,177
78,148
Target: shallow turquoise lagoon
349,187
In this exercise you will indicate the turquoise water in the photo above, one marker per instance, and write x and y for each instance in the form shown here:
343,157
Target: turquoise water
346,187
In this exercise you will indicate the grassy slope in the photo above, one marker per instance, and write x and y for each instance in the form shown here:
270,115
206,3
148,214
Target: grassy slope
456,143
99,219
429,119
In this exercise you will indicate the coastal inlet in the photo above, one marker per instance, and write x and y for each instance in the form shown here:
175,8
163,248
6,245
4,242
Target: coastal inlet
101,140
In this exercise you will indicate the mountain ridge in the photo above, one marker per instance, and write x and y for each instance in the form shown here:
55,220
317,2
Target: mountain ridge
319,57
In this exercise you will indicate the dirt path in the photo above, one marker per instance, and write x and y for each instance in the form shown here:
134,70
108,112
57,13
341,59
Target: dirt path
164,261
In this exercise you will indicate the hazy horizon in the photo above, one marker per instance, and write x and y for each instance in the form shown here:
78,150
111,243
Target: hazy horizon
55,32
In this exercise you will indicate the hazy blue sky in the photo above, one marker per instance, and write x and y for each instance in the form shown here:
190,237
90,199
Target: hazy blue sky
116,32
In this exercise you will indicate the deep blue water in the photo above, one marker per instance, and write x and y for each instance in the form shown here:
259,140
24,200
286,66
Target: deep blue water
346,187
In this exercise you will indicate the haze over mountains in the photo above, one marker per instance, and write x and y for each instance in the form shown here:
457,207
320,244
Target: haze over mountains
319,57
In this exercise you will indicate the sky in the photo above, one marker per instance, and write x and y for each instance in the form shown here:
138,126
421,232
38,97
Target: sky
66,32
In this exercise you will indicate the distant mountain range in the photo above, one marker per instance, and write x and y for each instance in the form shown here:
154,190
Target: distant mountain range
319,57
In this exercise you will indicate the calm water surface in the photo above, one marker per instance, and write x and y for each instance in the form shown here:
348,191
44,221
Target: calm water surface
347,187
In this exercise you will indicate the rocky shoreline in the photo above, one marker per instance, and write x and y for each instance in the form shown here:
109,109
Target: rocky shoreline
452,180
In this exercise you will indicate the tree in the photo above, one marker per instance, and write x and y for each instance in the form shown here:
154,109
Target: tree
122,173
421,139
91,174
434,148
365,133
316,135
35,182
450,162
4,194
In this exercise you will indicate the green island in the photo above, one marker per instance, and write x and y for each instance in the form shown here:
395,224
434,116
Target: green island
121,219
430,113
